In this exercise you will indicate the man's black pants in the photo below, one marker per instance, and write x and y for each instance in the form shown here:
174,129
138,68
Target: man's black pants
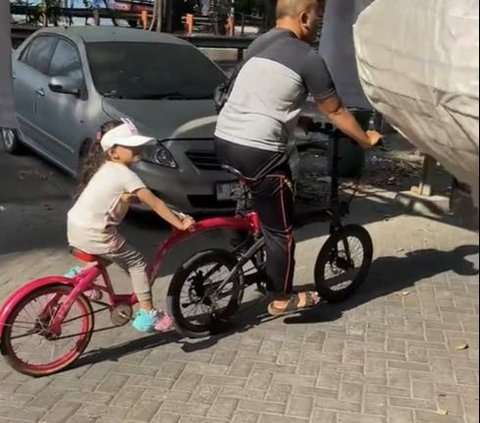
273,200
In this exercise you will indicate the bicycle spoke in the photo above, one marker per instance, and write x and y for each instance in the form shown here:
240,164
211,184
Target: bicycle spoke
338,278
209,279
31,338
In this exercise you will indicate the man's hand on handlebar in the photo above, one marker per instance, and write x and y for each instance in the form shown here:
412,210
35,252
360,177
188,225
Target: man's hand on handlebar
374,138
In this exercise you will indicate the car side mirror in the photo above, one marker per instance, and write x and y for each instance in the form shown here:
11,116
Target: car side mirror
65,85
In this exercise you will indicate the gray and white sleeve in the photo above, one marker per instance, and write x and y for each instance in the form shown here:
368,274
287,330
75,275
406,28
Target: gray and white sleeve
317,78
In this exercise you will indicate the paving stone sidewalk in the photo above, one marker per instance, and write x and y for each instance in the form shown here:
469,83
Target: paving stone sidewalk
390,354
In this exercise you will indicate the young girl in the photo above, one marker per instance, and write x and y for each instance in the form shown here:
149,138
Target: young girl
108,187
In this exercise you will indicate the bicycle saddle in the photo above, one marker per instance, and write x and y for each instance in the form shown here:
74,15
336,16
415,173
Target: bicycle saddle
83,256
233,171
237,173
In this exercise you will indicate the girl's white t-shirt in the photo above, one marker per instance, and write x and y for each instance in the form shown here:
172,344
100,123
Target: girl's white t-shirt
92,222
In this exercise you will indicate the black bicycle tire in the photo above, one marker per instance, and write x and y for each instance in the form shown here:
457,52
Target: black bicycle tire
215,325
365,239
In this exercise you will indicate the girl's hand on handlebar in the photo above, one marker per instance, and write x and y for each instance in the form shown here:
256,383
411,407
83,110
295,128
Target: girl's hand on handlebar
374,138
187,223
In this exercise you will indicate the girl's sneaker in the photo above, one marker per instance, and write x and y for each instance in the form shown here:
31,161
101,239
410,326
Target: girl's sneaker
74,271
152,321
164,323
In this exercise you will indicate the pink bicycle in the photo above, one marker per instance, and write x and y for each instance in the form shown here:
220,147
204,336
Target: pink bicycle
55,313
47,324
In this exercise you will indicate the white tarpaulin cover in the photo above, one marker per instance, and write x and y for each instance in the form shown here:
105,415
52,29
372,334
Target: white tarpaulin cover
7,115
418,65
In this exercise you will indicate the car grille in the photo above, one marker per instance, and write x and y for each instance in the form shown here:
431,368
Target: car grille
204,160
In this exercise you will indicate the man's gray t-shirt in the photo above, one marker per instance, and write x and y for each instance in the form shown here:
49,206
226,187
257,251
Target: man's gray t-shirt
270,90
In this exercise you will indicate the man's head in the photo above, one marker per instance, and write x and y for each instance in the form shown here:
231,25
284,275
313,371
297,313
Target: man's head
300,16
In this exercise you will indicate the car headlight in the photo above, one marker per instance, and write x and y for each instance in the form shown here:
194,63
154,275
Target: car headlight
159,155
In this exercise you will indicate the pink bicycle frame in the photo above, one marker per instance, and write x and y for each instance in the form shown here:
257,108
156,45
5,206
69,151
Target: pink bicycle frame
87,279
249,223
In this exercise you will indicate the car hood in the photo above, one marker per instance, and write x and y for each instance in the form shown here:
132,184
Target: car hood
167,119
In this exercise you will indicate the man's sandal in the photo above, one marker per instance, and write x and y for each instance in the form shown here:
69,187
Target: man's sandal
312,299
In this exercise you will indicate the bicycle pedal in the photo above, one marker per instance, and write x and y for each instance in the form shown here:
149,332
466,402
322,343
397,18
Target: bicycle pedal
121,314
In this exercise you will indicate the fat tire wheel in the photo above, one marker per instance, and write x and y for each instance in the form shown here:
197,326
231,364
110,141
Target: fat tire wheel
328,253
44,369
214,323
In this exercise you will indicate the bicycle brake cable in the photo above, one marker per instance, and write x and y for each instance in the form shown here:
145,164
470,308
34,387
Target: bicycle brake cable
355,189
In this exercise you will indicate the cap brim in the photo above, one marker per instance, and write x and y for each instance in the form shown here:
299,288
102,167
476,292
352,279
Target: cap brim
134,141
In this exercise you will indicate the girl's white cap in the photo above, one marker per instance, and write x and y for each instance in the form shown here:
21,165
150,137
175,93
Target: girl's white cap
125,135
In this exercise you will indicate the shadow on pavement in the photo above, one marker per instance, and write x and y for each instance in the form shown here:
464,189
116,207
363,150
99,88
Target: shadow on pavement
130,347
392,274
147,342
403,272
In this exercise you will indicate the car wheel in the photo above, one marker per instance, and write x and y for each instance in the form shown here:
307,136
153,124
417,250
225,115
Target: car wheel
9,141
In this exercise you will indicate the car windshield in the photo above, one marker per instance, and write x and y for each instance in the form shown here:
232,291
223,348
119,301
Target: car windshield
151,71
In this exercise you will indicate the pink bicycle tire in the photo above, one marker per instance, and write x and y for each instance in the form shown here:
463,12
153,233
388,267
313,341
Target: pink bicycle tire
44,369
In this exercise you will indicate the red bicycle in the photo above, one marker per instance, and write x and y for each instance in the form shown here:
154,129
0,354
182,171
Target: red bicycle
47,324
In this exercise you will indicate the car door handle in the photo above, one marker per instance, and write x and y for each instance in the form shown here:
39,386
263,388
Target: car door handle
40,92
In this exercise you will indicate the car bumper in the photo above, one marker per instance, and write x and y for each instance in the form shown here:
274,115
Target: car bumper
189,188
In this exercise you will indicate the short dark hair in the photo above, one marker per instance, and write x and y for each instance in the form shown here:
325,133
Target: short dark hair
285,12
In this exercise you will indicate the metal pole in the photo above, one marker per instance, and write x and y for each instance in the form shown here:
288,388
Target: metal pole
232,20
159,5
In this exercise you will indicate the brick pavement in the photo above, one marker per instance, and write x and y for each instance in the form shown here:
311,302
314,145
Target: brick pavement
381,357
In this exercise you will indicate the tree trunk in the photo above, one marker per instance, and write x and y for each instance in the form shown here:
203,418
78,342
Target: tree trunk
7,109
160,14
44,13
270,14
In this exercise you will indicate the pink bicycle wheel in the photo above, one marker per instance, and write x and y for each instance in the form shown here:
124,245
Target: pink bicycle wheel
27,343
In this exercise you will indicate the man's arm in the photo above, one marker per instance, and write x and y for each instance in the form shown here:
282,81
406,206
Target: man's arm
158,206
344,120
319,82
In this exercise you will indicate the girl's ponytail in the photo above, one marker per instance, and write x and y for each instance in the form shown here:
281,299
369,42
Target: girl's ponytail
96,157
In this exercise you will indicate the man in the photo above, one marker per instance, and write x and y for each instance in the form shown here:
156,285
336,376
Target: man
255,125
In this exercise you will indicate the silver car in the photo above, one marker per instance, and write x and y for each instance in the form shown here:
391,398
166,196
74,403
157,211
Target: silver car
68,81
